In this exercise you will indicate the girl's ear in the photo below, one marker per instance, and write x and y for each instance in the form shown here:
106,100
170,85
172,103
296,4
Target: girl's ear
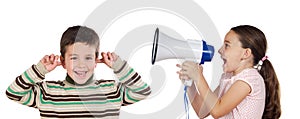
247,53
62,60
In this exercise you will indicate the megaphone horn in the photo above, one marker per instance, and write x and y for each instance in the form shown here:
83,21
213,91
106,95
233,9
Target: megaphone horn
166,47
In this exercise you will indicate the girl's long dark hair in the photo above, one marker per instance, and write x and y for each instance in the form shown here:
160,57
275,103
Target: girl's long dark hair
253,38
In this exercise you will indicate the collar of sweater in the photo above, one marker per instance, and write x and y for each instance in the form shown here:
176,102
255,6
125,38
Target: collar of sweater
71,81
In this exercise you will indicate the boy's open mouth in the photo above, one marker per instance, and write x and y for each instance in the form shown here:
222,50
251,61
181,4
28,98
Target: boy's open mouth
81,74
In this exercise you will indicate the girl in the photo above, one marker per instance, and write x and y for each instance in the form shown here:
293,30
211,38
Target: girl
248,88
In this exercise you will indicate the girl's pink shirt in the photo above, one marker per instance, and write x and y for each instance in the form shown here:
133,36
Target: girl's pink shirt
252,107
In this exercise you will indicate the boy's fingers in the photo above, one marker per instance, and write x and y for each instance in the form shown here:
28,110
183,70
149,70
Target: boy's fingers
104,57
110,56
56,57
58,63
47,59
43,59
46,56
102,54
51,58
99,61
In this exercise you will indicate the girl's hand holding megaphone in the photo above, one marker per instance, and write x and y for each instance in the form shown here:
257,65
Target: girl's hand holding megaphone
190,71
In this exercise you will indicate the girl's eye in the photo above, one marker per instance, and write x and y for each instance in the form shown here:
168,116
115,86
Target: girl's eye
226,45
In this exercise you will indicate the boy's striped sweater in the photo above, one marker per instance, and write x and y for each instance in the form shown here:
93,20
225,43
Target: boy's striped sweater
62,99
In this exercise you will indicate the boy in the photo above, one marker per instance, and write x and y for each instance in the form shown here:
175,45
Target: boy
79,95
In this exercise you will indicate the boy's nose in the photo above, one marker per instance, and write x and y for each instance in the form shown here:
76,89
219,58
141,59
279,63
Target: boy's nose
81,63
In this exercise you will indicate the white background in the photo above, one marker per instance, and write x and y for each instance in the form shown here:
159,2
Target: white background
31,29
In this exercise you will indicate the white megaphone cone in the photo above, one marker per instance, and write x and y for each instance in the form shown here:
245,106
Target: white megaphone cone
166,47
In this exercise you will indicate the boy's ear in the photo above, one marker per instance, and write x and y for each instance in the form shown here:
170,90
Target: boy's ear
62,60
96,62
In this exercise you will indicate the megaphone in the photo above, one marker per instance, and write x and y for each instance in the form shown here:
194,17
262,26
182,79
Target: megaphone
167,47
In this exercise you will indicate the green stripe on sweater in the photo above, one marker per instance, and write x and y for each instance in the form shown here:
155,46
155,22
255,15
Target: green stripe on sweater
28,100
27,77
140,88
130,98
17,93
130,71
22,94
78,102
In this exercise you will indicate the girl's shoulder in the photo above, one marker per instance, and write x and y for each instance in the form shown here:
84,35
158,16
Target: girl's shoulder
249,73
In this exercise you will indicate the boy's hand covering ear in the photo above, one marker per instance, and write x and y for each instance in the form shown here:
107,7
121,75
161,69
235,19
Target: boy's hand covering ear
50,62
108,58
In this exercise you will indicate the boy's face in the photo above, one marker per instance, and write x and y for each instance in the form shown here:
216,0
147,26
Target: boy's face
80,61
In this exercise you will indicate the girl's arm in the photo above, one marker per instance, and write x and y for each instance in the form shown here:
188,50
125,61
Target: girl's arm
218,106
222,106
197,102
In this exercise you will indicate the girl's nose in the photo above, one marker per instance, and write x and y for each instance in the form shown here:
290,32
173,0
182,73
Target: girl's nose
220,51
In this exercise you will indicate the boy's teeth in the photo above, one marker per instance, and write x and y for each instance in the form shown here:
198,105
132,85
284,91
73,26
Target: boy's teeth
80,73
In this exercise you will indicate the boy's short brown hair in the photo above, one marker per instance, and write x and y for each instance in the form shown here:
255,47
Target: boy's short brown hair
80,34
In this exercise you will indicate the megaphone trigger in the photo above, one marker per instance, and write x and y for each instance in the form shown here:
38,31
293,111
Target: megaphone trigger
188,82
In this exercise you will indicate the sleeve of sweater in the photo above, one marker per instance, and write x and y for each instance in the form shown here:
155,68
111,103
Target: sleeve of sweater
134,88
24,88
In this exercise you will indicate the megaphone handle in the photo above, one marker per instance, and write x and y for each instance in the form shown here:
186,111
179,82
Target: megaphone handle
188,82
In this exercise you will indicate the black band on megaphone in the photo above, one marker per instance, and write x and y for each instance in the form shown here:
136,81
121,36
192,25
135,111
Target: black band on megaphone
154,47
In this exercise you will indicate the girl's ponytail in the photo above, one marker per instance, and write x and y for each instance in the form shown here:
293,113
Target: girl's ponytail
272,103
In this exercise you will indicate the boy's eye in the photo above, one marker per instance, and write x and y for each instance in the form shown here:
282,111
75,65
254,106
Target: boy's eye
73,58
89,58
